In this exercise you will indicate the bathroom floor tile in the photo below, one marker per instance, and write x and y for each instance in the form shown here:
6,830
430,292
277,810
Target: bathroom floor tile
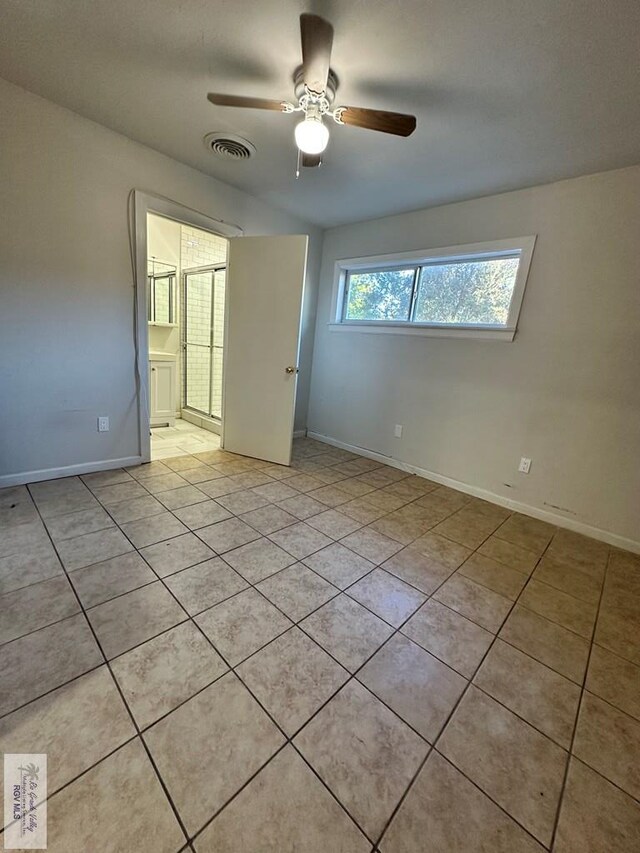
387,596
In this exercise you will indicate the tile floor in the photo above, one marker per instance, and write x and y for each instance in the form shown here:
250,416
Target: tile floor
181,439
222,655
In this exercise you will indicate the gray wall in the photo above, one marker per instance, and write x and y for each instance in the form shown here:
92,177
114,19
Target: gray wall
566,392
66,322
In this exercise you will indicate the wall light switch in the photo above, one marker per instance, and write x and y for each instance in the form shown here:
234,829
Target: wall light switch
103,424
525,465
397,430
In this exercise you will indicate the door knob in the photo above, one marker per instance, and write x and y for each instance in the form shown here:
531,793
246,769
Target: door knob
291,370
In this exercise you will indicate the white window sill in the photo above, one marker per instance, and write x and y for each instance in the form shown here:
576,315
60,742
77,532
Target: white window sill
478,333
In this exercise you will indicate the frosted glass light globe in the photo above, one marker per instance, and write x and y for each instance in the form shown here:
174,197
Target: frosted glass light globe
311,136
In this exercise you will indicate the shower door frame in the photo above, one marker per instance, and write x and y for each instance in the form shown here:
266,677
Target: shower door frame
213,269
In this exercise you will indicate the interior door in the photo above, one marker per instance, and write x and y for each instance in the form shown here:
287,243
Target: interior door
265,284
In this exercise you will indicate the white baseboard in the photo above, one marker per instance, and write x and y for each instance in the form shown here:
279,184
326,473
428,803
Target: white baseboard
67,471
517,506
299,433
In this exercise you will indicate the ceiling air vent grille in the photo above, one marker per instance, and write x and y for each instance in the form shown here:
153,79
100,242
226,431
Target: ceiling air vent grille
229,146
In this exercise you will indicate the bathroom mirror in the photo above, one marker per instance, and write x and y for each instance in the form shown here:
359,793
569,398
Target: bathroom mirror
161,302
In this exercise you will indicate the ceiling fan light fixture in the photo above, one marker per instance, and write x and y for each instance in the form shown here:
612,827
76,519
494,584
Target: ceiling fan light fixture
312,135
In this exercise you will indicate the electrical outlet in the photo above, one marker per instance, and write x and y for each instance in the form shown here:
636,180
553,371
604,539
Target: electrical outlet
525,465
397,431
103,424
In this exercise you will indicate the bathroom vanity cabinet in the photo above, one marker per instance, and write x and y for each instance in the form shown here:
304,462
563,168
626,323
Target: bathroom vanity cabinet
162,389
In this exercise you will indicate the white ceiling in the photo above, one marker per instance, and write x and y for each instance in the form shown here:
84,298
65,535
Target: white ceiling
508,93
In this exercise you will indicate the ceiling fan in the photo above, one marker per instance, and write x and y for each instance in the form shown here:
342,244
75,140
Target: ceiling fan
315,87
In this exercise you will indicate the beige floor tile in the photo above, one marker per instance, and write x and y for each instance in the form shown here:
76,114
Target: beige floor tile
385,500
199,474
39,662
513,556
111,495
274,492
580,552
578,616
84,814
220,486
148,469
200,587
529,533
536,693
226,535
620,633
329,495
170,556
305,483
77,523
134,509
181,497
183,463
519,768
609,741
338,564
243,501
449,636
402,529
372,545
300,540
417,686
156,528
361,510
348,631
65,504
102,581
442,550
494,575
131,619
356,488
333,523
302,506
208,748
160,674
106,478
614,679
568,579
595,816
292,677
467,528
547,642
445,808
163,482
202,514
268,519
26,610
23,537
20,570
284,808
92,548
242,624
476,602
297,591
259,559
364,753
387,596
75,726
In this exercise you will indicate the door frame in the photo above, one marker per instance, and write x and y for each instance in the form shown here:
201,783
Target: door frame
144,203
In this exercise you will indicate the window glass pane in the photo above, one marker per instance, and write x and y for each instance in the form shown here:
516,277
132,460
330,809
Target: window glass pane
380,295
467,292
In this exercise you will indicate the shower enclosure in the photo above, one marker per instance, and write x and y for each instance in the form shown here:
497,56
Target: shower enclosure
203,294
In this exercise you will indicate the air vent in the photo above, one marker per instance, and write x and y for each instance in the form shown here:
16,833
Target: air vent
229,146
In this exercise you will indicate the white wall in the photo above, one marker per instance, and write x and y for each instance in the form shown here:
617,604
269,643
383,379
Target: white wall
66,293
566,392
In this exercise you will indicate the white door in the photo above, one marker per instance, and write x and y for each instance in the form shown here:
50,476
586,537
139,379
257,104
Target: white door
265,283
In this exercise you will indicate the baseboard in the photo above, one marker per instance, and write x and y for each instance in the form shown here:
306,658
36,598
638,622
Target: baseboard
67,471
300,433
517,506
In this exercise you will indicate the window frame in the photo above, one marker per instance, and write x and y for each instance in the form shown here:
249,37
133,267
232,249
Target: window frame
518,246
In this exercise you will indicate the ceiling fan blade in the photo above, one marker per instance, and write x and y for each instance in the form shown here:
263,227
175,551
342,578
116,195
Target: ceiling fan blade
311,159
399,124
249,103
317,39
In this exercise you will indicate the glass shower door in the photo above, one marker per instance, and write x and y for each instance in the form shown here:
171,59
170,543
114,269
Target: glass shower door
203,339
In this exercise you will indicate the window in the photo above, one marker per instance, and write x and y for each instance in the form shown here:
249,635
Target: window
470,290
